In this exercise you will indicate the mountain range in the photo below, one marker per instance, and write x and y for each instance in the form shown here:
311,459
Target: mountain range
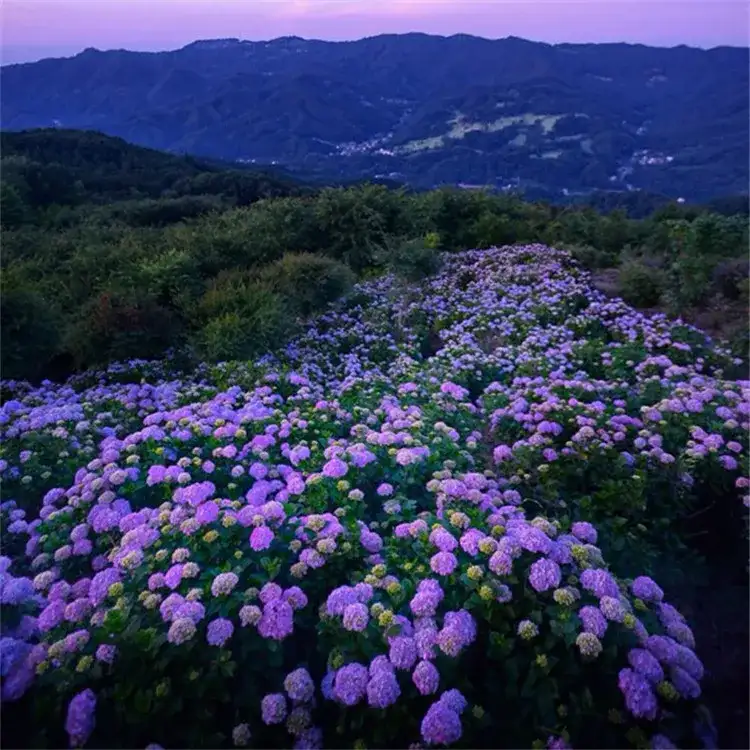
424,110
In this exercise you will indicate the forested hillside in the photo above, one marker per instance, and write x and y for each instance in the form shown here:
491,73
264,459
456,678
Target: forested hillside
112,252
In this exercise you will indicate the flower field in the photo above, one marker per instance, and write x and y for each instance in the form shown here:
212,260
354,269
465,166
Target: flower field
446,514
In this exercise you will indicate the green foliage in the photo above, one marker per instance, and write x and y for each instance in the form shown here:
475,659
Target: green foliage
242,317
30,331
308,282
412,260
53,169
592,257
113,251
640,285
730,277
153,212
351,224
121,326
12,207
697,249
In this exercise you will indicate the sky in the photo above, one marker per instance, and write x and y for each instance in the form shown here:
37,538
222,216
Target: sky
33,29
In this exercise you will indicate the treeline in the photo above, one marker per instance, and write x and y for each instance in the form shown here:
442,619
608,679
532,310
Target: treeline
52,177
119,278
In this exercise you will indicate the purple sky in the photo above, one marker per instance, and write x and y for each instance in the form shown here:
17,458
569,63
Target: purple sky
41,28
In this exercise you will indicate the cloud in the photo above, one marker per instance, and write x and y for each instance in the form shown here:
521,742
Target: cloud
365,8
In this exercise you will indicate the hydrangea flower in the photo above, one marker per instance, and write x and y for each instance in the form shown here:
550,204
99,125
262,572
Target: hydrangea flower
219,631
299,685
273,708
80,720
441,725
350,684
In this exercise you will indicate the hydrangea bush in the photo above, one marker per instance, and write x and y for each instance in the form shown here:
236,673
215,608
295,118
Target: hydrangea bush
430,521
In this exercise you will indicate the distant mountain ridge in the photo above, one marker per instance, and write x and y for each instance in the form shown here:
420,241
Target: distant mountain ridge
425,110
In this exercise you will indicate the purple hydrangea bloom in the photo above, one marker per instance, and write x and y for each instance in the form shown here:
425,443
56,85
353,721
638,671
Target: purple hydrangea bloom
207,513
557,743
685,685
689,662
15,591
599,582
219,631
502,453
544,574
181,630
459,630
455,700
106,653
339,599
441,725
443,563
350,684
310,739
51,616
370,541
584,531
380,663
173,576
277,621
313,559
299,685
170,605
426,640
17,682
335,468
593,621
273,708
612,608
296,597
100,584
501,563
429,595
663,648
356,617
12,651
470,541
224,583
261,538
645,588
270,592
443,540
646,664
382,689
403,652
639,697
426,677
80,721
194,611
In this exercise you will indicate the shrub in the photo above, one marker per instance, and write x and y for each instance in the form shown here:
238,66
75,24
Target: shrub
729,276
243,317
411,260
308,282
121,326
640,285
592,257
160,212
30,332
